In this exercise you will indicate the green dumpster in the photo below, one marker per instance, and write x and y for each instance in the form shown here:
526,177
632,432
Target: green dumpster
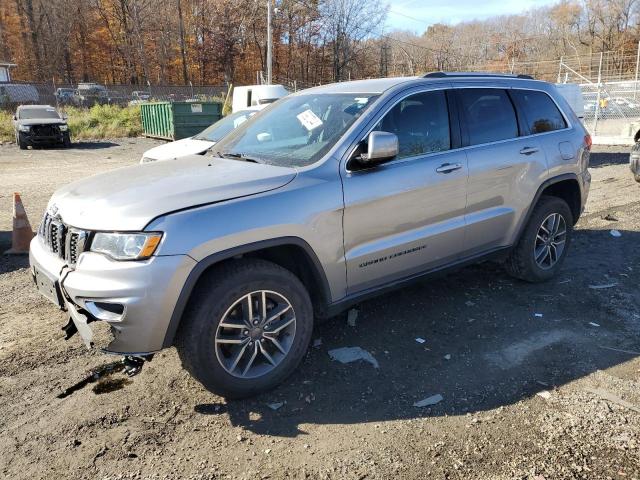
176,120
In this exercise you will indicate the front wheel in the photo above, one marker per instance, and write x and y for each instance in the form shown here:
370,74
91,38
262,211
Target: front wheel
66,140
20,141
247,328
543,246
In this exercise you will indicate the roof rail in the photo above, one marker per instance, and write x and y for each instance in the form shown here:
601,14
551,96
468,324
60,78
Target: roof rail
473,75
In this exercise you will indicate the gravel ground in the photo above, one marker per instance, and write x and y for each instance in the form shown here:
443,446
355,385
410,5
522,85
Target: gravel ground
525,396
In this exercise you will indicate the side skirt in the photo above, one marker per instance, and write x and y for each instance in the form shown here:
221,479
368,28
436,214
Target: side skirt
341,305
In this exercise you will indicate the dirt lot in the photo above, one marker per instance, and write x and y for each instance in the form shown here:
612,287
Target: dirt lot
538,381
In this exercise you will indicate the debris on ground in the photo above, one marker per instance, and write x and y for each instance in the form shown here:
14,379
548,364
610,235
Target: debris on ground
427,402
420,340
447,356
610,397
539,315
546,394
630,352
352,354
610,217
594,324
275,405
615,233
602,287
352,316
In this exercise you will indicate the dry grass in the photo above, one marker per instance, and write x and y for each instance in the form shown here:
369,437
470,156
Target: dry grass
100,121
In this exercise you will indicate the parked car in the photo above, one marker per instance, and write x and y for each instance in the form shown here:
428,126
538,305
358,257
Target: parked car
634,158
64,96
90,94
329,196
198,144
37,125
138,97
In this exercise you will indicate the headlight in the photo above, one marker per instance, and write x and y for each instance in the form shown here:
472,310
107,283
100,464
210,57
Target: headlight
24,128
126,246
63,128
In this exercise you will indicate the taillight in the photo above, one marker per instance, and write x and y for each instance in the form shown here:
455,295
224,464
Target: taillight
587,141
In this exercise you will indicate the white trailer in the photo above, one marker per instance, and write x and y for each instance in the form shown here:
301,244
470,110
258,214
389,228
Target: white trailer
256,96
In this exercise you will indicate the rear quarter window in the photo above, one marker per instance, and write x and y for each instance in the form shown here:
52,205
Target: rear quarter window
540,111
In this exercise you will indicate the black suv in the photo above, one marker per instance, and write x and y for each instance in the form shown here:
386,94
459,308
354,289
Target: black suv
40,125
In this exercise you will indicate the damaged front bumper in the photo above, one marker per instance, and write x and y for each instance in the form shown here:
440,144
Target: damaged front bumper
122,307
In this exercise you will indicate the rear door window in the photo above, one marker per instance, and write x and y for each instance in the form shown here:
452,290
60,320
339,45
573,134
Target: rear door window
489,115
540,110
421,123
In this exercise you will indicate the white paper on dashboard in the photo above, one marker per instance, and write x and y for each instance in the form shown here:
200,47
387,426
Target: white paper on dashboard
309,120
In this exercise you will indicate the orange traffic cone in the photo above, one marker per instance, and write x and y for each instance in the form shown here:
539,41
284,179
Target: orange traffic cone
22,233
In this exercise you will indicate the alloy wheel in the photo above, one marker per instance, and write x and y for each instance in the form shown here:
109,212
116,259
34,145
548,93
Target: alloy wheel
550,241
255,334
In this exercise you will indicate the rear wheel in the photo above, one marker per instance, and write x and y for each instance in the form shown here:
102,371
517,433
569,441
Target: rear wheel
247,328
543,246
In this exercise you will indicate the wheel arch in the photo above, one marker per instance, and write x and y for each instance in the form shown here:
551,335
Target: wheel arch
564,186
292,253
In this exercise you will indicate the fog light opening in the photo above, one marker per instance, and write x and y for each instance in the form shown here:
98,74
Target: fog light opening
110,312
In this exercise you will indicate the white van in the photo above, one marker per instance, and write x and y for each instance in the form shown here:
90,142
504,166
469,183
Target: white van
253,96
573,95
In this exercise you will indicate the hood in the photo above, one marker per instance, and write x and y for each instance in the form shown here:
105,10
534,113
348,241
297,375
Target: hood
41,121
180,148
129,198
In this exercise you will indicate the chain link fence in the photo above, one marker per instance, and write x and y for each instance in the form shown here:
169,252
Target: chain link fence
87,94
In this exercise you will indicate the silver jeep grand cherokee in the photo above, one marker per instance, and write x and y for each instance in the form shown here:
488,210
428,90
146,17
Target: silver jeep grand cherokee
326,197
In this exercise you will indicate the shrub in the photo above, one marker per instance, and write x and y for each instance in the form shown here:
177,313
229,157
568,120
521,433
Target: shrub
6,126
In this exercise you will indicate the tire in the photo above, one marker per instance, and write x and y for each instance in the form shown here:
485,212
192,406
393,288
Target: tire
214,299
521,262
637,177
21,143
66,141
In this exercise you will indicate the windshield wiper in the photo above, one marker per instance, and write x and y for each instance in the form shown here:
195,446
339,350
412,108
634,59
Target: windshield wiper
238,156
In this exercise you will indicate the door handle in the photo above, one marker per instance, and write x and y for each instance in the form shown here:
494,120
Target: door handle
529,150
448,167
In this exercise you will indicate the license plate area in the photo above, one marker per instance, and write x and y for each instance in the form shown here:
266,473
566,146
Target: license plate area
48,287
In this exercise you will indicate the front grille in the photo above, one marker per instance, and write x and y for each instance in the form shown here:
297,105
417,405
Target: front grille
45,130
65,242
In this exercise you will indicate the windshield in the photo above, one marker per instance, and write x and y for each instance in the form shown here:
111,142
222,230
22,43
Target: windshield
218,130
37,113
296,131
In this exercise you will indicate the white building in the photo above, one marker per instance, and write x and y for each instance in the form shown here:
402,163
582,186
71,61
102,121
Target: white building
5,74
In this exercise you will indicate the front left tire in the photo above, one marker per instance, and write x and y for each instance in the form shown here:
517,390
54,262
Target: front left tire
246,329
22,144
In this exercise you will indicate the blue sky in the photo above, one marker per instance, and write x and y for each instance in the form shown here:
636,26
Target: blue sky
452,11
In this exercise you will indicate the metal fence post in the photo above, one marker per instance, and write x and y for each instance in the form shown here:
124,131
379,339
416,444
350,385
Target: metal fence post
560,69
597,112
635,85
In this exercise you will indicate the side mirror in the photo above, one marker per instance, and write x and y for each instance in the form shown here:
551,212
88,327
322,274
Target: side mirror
382,146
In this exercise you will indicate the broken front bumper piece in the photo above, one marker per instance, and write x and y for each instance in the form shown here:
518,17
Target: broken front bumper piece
121,307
